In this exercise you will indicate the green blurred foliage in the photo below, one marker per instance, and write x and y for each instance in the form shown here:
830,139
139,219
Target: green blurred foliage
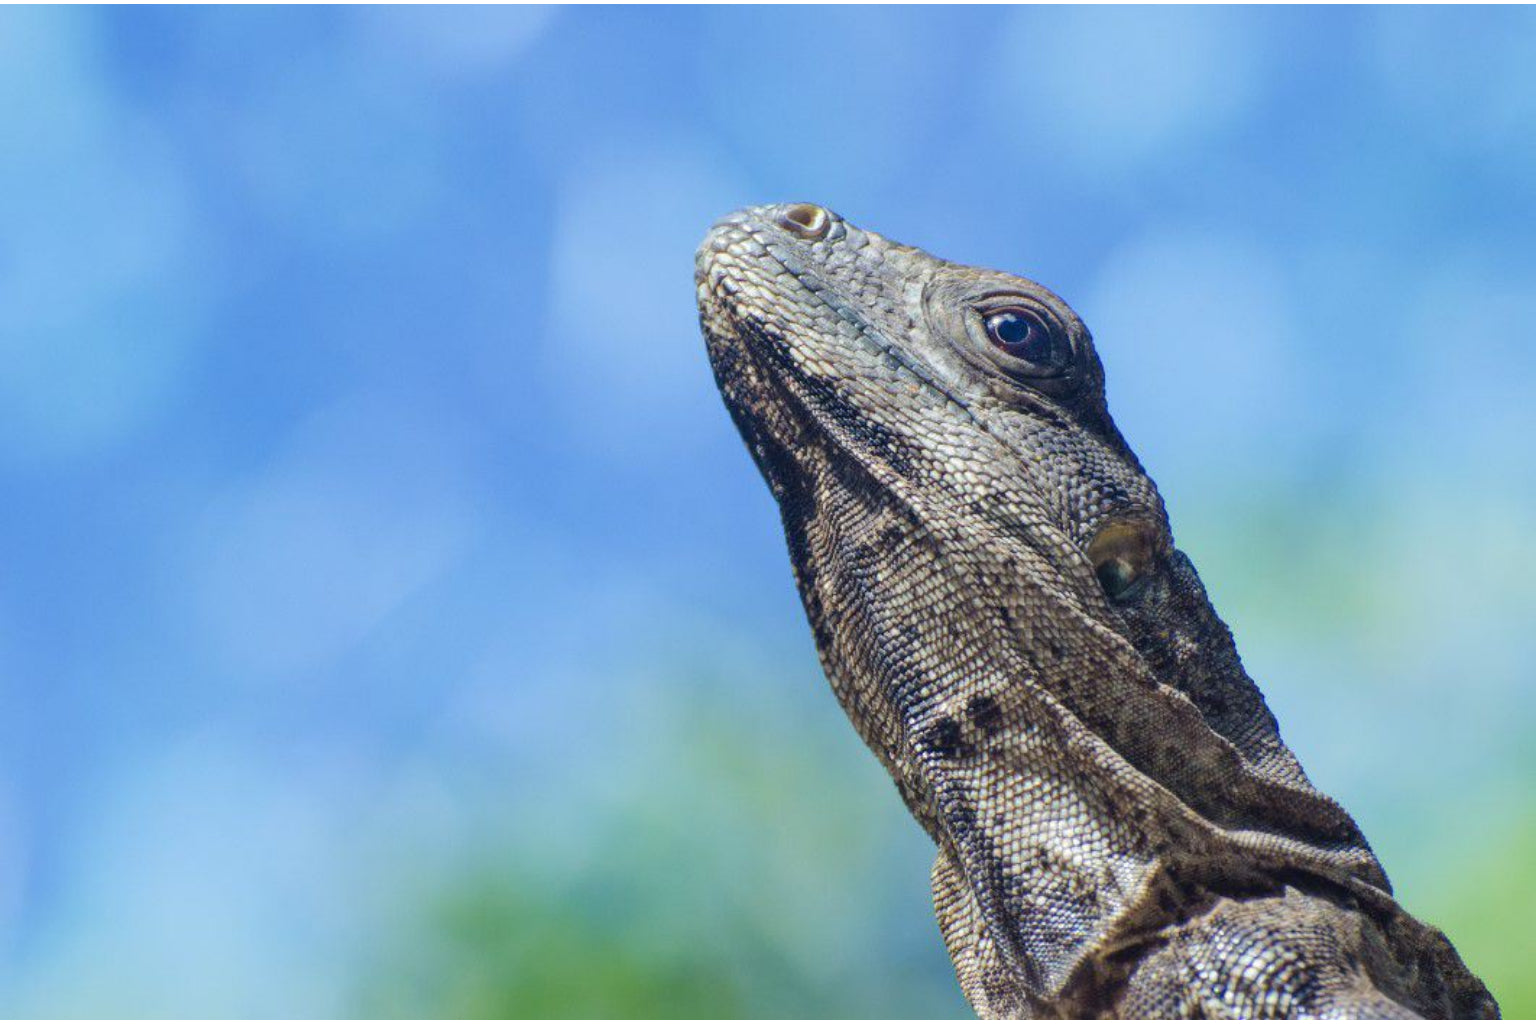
1487,906
744,856
494,949
740,854
751,861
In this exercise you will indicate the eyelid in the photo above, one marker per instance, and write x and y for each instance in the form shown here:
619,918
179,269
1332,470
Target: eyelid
955,308
991,302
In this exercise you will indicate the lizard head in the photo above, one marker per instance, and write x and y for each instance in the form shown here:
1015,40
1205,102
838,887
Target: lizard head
982,386
998,602
918,350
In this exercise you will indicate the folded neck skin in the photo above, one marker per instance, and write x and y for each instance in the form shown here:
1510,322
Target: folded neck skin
998,603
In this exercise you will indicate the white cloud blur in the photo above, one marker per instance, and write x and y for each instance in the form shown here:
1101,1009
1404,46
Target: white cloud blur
95,323
1461,75
1107,90
622,351
1198,341
364,506
457,40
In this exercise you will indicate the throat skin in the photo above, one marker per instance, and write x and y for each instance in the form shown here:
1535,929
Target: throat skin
1000,608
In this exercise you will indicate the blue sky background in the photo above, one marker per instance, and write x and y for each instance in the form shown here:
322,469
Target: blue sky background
391,622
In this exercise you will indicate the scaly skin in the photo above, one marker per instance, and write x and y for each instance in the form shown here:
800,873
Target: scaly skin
998,603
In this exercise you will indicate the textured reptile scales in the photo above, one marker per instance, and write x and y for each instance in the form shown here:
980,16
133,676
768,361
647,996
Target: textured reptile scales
999,606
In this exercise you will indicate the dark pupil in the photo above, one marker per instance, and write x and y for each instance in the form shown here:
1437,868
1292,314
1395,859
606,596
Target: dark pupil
1021,337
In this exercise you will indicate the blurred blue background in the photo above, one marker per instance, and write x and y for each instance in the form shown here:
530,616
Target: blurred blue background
391,621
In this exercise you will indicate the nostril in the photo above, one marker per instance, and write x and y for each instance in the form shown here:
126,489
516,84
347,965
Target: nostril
805,219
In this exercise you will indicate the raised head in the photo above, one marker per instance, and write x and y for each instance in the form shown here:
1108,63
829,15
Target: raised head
999,605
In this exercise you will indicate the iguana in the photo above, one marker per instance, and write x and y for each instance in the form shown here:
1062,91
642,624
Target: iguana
997,601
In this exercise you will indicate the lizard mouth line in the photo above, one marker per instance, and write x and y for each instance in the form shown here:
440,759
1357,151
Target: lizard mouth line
1121,831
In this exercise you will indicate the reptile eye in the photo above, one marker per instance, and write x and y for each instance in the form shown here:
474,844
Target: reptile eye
1121,554
1024,334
